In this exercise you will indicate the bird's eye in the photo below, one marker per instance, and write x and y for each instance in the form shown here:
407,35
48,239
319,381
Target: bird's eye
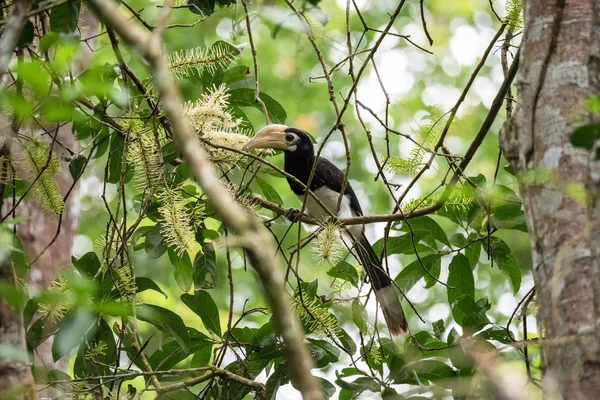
289,137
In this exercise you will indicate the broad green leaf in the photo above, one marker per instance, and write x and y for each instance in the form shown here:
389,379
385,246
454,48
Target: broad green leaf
585,136
432,370
205,270
182,269
204,306
27,35
277,379
142,284
155,243
99,332
35,76
202,357
346,341
166,321
506,262
245,98
235,74
65,17
16,189
438,328
423,226
472,252
50,39
360,316
268,191
88,264
44,376
207,7
76,166
344,271
115,157
413,272
71,331
498,333
460,278
399,244
170,353
326,386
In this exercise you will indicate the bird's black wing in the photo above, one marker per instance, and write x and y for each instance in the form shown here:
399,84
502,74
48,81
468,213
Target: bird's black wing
332,177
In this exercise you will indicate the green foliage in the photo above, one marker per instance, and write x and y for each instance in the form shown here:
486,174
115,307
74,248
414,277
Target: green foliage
169,281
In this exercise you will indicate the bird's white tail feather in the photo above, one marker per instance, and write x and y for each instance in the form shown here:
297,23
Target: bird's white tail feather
392,310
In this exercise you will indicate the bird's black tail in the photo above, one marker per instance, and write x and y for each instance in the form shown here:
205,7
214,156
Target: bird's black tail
382,284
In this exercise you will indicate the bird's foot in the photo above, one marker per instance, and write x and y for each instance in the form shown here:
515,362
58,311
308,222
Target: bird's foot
293,214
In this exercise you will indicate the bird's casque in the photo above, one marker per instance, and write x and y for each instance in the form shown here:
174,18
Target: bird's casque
327,184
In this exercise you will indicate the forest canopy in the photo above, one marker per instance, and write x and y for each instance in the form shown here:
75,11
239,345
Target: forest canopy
186,266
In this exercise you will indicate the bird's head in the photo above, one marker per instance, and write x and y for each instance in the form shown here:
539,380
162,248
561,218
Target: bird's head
283,138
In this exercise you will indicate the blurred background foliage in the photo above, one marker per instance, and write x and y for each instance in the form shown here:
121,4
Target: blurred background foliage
492,276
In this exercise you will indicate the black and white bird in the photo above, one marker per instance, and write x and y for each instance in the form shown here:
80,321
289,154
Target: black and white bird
327,184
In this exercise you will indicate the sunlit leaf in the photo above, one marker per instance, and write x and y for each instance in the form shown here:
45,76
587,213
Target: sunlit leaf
204,306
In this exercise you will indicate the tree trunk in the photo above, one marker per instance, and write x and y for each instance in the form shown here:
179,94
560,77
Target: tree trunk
559,69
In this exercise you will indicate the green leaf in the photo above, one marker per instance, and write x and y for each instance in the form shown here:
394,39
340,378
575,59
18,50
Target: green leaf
115,157
326,386
438,328
182,269
17,189
155,245
35,76
27,35
103,140
585,136
268,191
207,7
277,379
245,98
204,306
76,166
88,264
170,353
431,370
205,270
50,39
142,284
472,252
166,321
70,332
202,357
360,316
170,153
413,272
44,376
424,226
344,271
236,74
506,262
65,17
99,332
497,333
346,341
460,278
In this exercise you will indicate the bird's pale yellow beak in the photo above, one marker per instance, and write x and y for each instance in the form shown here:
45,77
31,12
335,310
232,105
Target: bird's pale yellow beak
269,137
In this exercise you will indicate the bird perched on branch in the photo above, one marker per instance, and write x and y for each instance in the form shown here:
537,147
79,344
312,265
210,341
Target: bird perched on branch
326,184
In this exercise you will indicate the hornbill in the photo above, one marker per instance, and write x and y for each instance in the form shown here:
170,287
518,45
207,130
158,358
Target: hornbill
327,184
